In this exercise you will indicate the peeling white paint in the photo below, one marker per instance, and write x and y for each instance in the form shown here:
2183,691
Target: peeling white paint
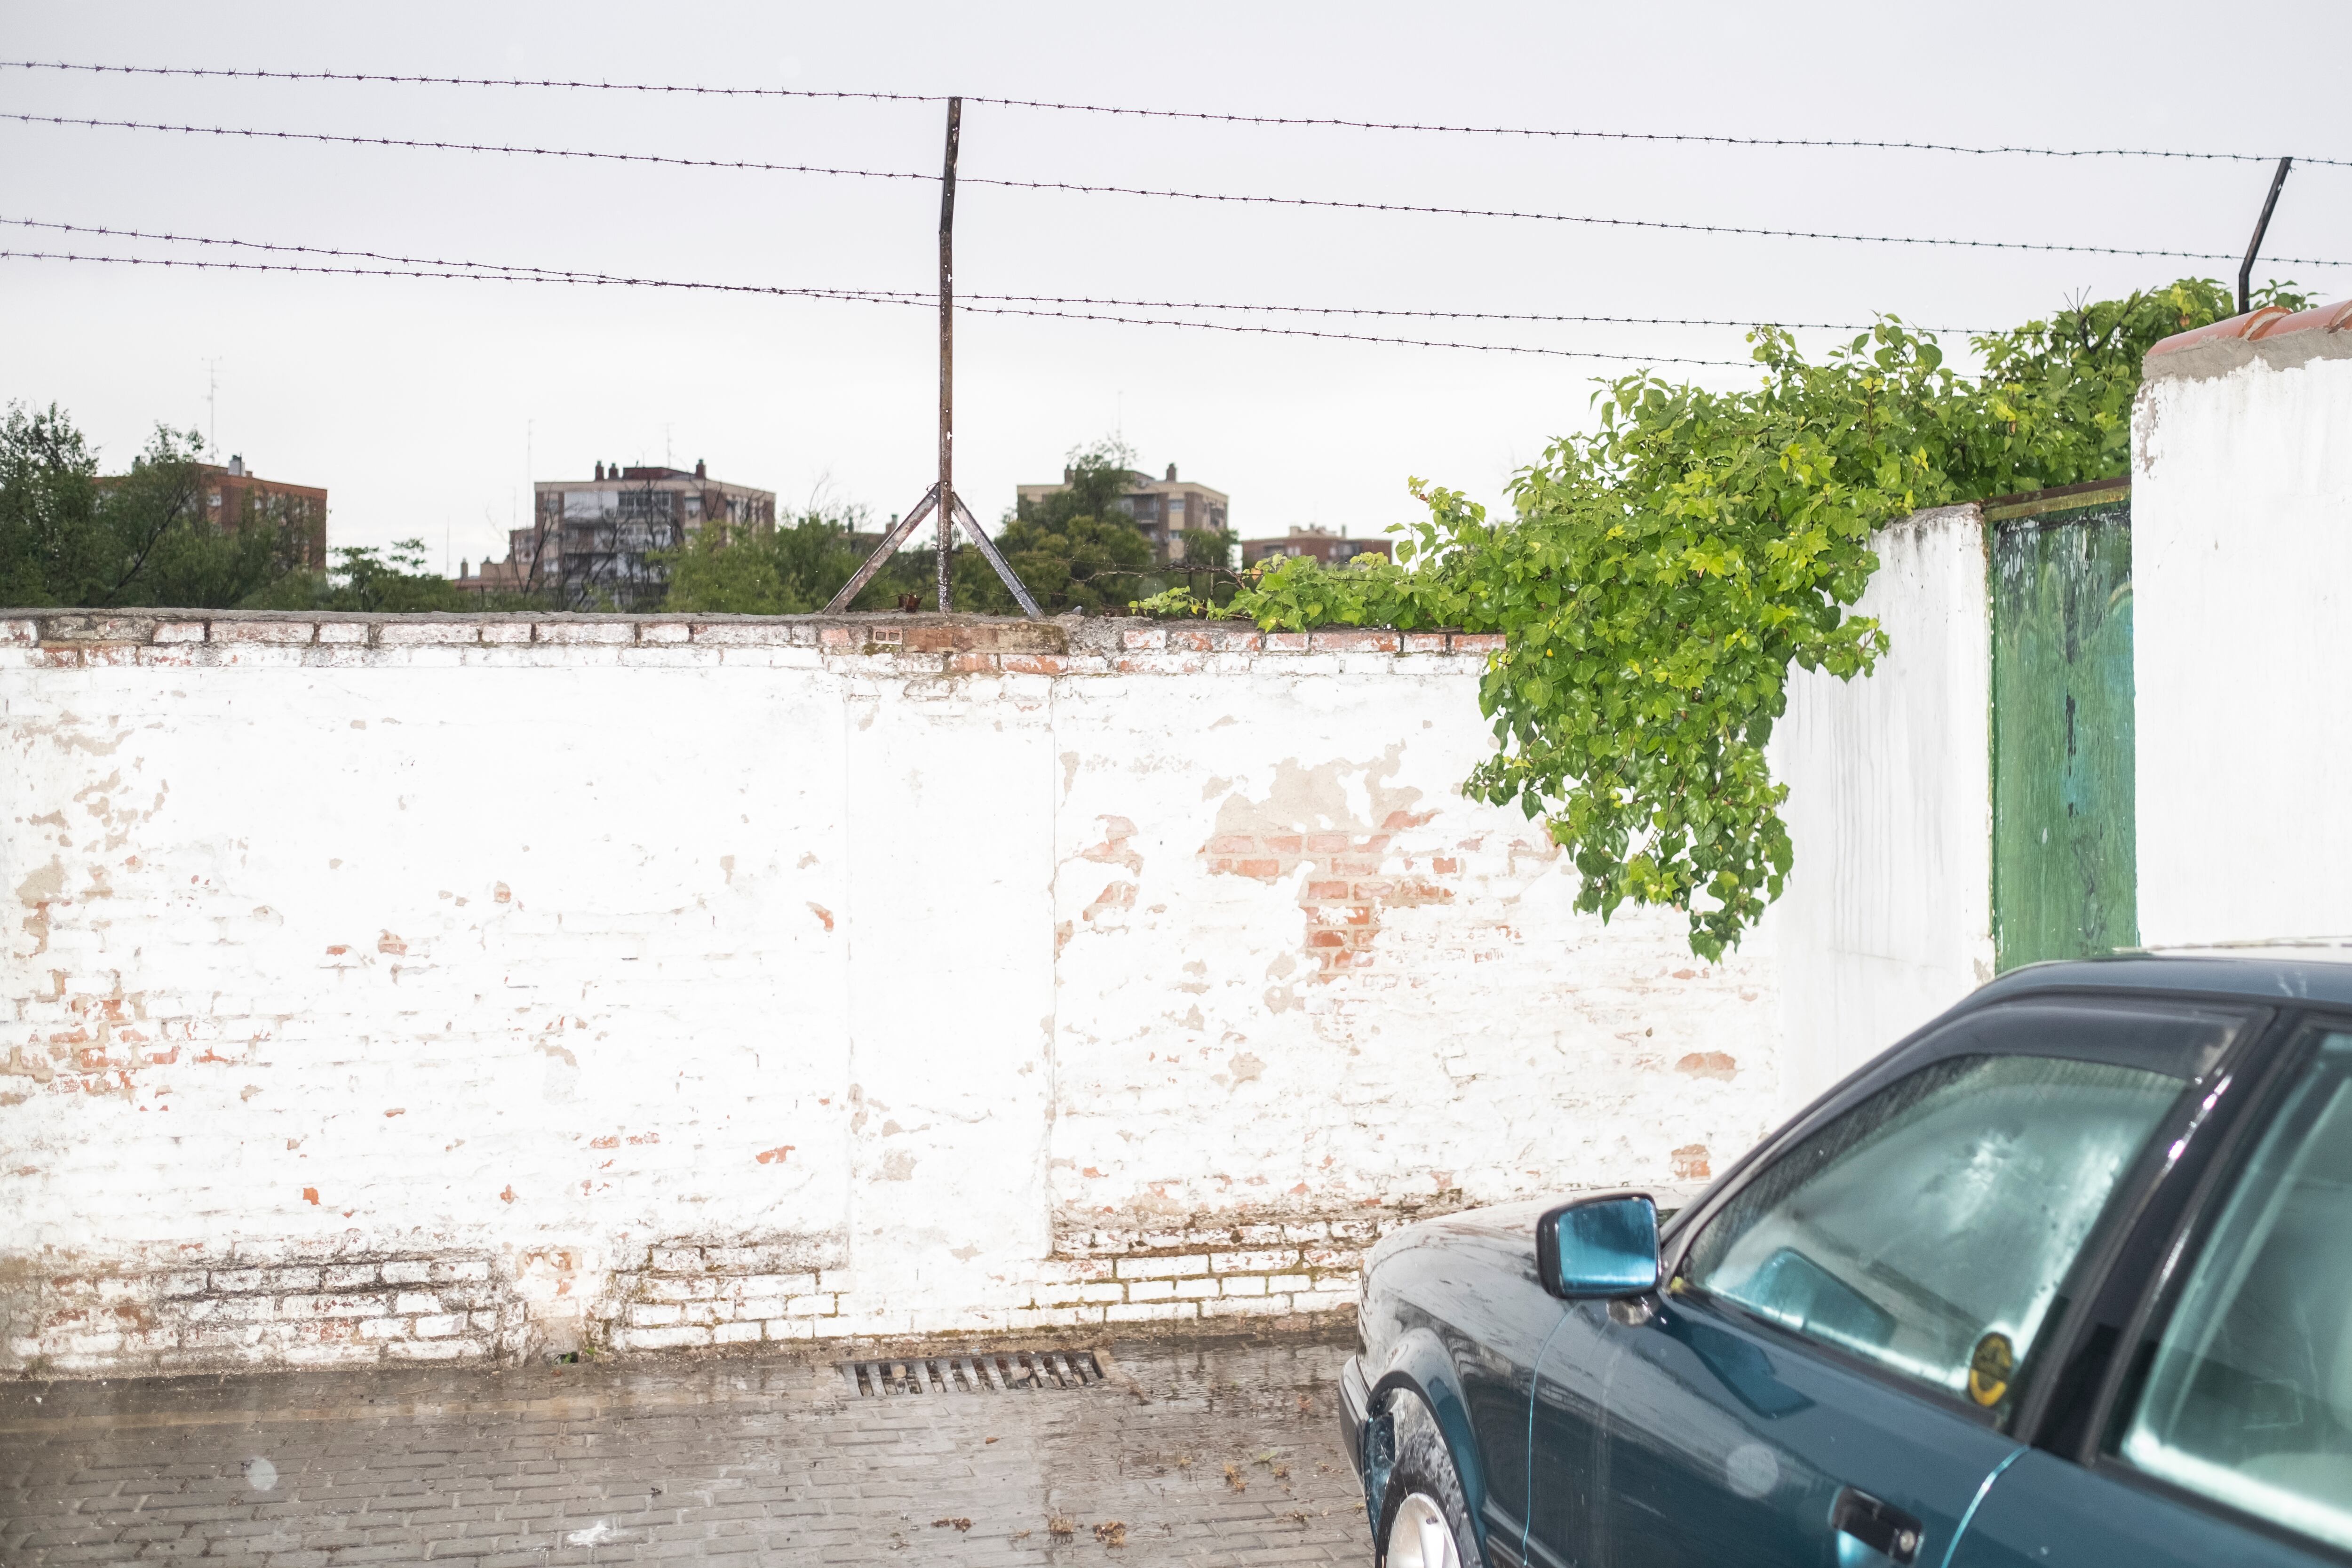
733,988
1888,918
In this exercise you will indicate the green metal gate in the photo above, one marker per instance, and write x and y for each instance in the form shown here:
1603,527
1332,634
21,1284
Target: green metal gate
2065,880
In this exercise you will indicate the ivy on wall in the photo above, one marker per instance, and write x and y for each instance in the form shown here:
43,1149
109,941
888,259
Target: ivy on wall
1658,577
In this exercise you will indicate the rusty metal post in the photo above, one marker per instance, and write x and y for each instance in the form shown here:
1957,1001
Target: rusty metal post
2261,227
947,347
942,494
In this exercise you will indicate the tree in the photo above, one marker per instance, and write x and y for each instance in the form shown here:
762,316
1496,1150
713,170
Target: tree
390,581
1659,576
1075,549
793,571
52,549
1208,549
69,536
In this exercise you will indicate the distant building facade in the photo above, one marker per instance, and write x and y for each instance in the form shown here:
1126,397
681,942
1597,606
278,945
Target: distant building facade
234,500
593,542
1317,543
1163,509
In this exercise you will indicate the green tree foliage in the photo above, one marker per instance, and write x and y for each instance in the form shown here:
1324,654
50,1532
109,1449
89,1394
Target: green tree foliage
1210,549
69,537
384,581
793,571
1077,549
1659,576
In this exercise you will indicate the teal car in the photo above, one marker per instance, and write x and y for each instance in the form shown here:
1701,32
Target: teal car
2065,1278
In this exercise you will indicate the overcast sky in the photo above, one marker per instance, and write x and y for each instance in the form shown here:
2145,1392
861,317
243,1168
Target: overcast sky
425,407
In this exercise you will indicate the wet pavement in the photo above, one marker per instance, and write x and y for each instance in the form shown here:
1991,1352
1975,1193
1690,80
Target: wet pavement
1189,1453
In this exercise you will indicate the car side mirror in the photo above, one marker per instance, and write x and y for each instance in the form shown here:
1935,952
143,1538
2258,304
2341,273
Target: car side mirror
1599,1248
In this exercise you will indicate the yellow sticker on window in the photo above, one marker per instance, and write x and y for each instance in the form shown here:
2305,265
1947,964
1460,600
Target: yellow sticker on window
1989,1367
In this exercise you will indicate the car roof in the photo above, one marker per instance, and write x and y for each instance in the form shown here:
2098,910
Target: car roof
2290,973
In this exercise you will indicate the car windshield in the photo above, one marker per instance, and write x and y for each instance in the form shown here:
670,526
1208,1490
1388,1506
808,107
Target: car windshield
1930,1229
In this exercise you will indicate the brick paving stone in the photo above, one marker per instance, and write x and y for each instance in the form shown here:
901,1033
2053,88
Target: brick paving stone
1223,1452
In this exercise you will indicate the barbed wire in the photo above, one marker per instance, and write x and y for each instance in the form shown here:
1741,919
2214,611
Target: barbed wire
861,297
1324,203
585,276
1700,138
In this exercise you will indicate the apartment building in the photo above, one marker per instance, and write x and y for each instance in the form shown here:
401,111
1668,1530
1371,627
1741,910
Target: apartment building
1163,509
234,498
595,543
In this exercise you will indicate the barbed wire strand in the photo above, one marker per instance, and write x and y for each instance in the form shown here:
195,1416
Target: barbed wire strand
594,280
1326,202
1015,299
1195,114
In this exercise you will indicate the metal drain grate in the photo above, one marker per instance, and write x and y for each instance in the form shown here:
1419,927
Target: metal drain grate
996,1372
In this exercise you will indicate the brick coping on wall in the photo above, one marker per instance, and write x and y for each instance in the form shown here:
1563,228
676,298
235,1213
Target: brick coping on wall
951,645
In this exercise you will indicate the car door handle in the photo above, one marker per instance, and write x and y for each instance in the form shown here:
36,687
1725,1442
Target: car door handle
1877,1526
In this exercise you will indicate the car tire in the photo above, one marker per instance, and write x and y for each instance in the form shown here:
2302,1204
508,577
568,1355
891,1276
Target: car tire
1424,1518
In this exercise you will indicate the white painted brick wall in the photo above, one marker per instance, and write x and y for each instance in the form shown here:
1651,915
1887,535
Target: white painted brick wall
467,986
2241,552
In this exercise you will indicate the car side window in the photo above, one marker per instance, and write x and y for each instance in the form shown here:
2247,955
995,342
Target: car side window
2247,1393
1930,1229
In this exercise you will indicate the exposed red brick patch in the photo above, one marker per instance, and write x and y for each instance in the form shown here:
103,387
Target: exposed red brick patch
389,942
644,1137
504,894
1032,664
1116,896
774,1156
1308,822
1707,1064
1355,641
1114,850
309,1195
820,913
338,951
1690,1162
610,1140
507,1196
395,1110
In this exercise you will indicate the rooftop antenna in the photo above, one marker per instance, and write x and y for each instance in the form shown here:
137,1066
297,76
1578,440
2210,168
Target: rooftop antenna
941,496
212,406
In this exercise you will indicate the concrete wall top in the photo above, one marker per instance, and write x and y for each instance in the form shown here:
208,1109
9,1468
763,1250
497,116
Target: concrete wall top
906,643
2274,335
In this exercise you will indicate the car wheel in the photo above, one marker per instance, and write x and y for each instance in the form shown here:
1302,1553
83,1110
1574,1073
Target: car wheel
1424,1522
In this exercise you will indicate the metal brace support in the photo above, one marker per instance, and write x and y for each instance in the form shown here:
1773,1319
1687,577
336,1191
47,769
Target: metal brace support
1003,567
882,552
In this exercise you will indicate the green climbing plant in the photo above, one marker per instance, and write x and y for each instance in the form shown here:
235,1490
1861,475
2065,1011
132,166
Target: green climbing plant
1658,577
